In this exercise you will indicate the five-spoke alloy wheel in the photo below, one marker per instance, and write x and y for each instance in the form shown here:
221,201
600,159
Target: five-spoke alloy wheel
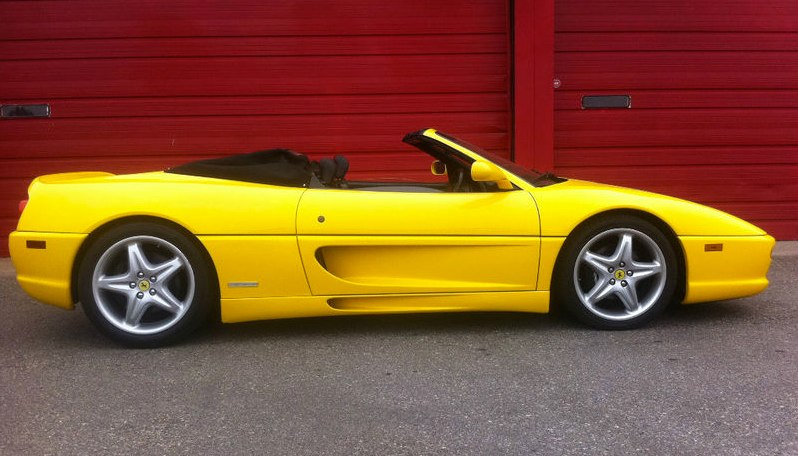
145,284
616,274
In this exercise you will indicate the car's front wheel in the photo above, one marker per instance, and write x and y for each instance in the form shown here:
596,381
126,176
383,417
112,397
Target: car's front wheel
145,285
616,274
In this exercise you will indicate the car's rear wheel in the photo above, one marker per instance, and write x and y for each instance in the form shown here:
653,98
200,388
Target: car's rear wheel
145,285
616,274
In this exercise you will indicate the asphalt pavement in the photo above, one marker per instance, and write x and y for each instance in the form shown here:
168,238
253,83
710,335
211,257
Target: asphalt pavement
709,379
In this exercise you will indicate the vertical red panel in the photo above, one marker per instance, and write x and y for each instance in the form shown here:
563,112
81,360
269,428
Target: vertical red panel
533,95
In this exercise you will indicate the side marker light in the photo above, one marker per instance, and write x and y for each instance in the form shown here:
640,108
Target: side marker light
41,245
713,247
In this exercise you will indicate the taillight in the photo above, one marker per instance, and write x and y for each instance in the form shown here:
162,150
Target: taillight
22,205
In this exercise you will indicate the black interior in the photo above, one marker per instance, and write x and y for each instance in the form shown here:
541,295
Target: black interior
288,168
275,166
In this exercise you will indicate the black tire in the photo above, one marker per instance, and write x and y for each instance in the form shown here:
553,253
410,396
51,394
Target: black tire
617,273
146,285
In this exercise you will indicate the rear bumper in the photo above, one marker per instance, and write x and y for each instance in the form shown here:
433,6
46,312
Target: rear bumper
43,262
725,267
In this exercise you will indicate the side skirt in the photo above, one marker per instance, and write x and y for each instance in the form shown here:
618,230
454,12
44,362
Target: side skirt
250,309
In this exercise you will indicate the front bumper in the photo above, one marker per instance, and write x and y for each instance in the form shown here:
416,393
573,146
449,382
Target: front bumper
725,267
43,262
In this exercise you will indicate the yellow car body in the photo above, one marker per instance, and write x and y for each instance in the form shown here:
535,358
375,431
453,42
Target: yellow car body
281,252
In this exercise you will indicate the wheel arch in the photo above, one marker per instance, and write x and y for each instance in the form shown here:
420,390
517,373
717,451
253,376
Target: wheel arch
99,231
660,224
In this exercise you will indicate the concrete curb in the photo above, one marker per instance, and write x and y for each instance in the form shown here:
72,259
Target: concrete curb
785,249
6,269
782,249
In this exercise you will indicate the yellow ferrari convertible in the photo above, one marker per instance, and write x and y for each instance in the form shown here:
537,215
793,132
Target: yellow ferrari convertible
272,234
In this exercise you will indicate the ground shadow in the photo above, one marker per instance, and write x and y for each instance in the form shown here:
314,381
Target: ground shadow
708,313
73,329
375,325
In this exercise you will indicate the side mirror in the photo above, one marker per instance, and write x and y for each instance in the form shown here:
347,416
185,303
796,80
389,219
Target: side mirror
482,171
438,168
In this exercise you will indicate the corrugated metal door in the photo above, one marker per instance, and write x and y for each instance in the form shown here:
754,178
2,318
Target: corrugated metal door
714,93
143,85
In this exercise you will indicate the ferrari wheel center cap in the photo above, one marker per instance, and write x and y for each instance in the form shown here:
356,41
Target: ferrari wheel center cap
620,274
144,285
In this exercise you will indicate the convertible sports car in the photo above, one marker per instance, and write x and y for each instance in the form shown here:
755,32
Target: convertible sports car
272,234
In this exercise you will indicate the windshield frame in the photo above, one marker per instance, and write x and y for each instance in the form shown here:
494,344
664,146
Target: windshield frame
532,177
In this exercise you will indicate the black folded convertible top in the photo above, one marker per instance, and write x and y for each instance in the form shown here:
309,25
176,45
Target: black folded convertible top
274,166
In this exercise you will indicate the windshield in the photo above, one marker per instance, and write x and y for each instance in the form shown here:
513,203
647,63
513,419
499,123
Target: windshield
528,175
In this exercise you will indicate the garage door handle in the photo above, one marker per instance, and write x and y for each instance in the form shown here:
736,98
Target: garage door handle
18,111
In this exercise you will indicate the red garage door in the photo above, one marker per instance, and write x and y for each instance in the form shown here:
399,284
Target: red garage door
714,96
143,85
